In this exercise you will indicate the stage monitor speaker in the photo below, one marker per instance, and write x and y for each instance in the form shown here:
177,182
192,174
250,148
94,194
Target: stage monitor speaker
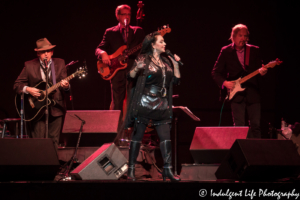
28,160
107,163
100,127
211,144
260,160
295,138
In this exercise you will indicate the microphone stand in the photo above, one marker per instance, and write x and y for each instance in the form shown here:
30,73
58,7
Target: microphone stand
23,122
71,95
177,110
22,114
126,37
123,139
74,158
46,90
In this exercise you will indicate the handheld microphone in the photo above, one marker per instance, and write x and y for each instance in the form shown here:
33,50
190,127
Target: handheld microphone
168,52
125,22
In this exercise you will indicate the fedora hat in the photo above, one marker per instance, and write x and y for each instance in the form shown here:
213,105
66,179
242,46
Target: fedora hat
43,44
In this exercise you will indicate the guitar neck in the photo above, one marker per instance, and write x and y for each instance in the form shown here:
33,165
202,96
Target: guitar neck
269,65
134,49
54,87
246,78
162,32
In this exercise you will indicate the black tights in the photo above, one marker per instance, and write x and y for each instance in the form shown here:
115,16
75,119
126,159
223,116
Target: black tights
162,130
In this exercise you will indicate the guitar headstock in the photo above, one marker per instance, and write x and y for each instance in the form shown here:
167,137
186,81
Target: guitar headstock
164,29
273,63
81,72
278,61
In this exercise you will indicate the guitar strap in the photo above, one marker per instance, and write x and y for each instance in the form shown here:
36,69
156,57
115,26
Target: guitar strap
247,55
53,73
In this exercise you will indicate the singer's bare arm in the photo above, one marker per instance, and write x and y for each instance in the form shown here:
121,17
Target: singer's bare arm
176,65
139,64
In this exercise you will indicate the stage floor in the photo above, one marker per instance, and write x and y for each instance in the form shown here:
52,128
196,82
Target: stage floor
148,189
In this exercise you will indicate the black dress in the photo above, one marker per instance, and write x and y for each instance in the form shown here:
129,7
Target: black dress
143,106
155,106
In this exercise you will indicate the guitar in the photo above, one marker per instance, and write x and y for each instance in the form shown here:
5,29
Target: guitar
238,82
35,107
118,59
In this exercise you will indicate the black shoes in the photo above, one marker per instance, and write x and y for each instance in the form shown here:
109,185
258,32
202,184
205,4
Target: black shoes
134,149
166,149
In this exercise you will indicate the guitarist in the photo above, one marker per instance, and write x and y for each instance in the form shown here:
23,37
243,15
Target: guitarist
33,73
113,39
235,60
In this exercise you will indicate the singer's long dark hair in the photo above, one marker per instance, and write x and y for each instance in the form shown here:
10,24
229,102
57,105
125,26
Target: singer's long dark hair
147,43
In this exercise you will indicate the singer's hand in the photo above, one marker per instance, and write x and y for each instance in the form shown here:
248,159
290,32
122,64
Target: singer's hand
105,58
33,91
175,62
140,64
64,84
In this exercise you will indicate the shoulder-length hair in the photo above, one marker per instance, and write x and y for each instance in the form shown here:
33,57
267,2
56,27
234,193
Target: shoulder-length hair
236,29
147,43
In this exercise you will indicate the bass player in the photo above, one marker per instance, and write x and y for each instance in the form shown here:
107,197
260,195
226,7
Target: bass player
113,39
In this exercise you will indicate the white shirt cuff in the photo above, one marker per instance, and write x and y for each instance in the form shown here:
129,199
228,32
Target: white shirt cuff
24,90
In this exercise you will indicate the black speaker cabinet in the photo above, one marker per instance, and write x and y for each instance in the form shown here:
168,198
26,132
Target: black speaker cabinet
211,144
260,160
100,127
107,163
28,160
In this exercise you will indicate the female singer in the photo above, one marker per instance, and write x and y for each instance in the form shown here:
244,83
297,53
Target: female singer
153,77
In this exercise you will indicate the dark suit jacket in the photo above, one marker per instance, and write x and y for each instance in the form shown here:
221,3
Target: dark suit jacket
113,40
31,76
228,67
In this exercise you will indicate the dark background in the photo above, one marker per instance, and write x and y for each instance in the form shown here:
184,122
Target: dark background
199,30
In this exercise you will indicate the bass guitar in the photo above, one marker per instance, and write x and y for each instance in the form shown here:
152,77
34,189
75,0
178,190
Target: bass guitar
118,59
34,107
238,82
